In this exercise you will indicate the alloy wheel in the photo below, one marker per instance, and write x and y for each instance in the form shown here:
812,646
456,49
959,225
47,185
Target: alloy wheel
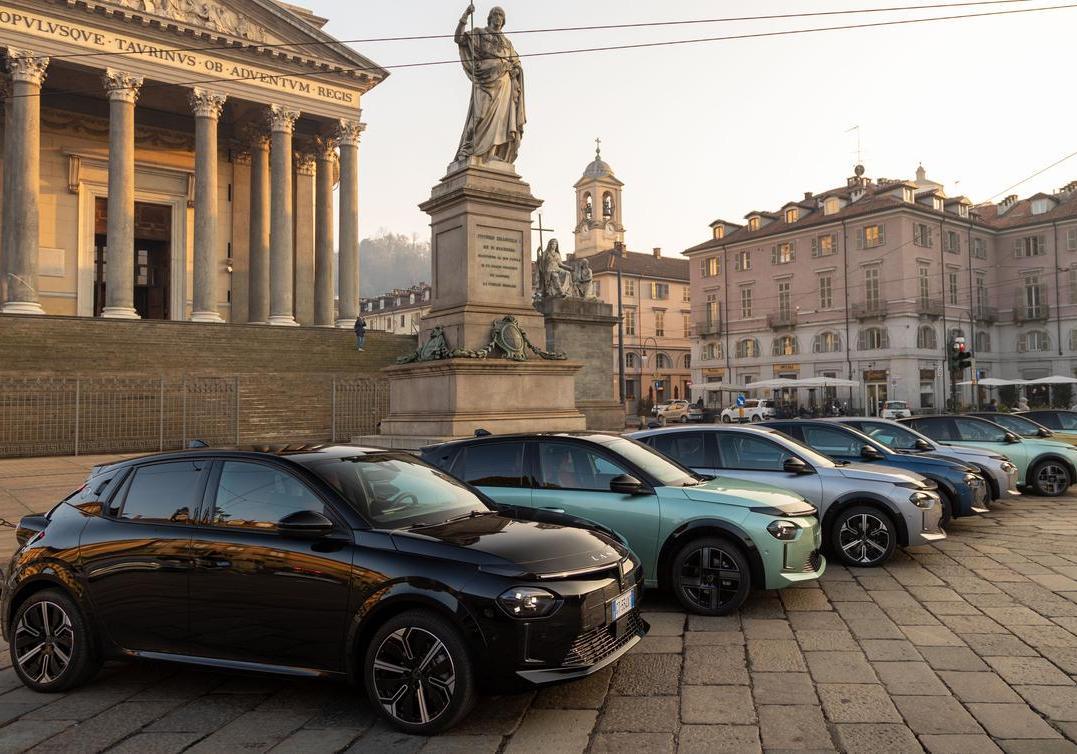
44,642
710,578
414,675
864,538
1052,479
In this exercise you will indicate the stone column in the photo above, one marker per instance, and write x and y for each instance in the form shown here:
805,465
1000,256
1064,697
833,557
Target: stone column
207,108
6,214
22,143
348,132
282,123
304,237
323,234
259,247
122,91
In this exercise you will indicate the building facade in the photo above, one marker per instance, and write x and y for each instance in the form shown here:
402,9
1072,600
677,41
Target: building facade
655,293
177,160
871,280
399,311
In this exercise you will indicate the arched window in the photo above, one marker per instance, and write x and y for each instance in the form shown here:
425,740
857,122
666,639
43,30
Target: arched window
983,342
631,361
786,346
1033,340
926,338
662,361
688,361
747,348
588,206
607,205
873,339
826,342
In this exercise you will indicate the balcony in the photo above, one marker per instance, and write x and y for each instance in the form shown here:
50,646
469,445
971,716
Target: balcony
868,310
708,327
986,314
1031,313
929,307
781,320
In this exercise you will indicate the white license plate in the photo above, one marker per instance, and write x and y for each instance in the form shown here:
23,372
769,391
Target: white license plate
624,603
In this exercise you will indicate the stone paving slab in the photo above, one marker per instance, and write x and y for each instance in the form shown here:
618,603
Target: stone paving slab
966,646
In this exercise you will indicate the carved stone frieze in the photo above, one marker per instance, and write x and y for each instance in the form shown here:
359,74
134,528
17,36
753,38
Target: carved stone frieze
97,128
209,14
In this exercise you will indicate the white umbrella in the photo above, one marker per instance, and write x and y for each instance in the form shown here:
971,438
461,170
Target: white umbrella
827,382
1055,379
994,382
775,384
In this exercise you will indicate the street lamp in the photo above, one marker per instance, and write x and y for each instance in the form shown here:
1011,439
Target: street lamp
643,362
619,252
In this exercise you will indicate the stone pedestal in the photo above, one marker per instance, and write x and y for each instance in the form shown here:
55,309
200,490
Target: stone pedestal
584,331
481,254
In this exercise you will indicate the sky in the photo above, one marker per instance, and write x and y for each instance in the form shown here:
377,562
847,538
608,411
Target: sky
715,130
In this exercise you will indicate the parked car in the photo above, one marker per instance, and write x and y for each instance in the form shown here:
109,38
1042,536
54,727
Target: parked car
997,469
315,562
1060,420
962,489
1046,466
708,541
1024,425
674,411
753,410
866,510
697,413
895,410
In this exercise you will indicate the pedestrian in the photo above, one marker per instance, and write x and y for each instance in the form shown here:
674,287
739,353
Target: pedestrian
1022,404
992,406
360,333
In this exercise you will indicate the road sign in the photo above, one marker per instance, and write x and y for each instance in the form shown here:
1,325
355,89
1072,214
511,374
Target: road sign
740,400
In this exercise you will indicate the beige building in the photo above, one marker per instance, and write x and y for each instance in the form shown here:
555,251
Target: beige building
167,159
654,292
872,279
399,311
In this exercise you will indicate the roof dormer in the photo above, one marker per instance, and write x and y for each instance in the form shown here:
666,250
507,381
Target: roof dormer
1042,204
1007,204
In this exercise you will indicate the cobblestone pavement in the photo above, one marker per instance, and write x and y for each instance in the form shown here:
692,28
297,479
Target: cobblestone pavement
967,646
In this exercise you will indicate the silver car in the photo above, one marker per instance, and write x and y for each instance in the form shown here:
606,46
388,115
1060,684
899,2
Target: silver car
1000,473
866,510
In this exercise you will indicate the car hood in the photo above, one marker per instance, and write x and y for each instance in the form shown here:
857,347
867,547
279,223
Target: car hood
928,463
967,451
866,472
737,492
511,546
1047,446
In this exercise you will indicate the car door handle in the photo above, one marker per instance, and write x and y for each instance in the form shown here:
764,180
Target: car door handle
555,510
212,563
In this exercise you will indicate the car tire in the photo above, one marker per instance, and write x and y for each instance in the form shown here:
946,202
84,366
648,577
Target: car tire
755,418
863,536
53,646
684,418
707,593
447,670
1050,478
948,502
727,419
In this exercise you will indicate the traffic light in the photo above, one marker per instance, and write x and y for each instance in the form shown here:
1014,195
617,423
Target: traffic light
960,356
964,359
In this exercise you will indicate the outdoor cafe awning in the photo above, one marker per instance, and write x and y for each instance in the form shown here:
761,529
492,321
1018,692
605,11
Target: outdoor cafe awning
1055,379
779,383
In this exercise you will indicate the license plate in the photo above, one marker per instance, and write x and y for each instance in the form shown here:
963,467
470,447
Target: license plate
624,603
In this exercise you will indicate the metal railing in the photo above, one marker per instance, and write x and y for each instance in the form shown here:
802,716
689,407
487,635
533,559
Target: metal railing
359,405
708,327
930,307
988,314
782,319
871,309
76,415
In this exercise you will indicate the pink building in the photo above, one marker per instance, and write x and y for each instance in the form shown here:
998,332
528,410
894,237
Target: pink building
871,280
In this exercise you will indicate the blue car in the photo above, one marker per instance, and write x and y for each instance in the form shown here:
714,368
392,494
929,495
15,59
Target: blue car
962,490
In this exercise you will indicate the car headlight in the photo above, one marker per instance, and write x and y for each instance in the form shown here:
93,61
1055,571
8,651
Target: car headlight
1007,467
526,602
973,480
922,499
783,530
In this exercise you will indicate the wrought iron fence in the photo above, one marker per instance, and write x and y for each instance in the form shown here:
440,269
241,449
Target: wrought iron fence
359,405
75,415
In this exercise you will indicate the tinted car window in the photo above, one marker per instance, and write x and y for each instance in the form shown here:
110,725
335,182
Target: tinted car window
978,430
937,428
687,448
1016,424
741,451
256,495
832,441
163,492
1052,420
897,438
493,465
1066,421
574,467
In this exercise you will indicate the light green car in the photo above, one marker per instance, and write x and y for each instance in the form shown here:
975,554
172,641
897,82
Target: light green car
1048,467
708,540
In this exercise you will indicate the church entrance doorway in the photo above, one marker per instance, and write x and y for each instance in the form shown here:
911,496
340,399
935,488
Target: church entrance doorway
152,258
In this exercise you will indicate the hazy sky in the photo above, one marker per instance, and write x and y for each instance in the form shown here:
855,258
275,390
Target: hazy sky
717,129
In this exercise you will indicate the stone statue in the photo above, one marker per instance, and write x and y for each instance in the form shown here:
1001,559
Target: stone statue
555,277
583,280
496,117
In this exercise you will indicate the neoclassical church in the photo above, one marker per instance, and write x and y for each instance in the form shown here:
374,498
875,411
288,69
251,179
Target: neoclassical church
181,160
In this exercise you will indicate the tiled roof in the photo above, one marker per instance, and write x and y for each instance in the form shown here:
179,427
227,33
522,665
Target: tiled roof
1021,212
641,265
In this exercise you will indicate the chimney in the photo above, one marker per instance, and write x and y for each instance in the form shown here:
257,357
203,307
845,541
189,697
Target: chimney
1005,205
657,252
807,196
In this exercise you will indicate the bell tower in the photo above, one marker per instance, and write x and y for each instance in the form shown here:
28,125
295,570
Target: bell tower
598,208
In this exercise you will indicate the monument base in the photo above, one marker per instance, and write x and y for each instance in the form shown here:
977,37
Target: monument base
452,398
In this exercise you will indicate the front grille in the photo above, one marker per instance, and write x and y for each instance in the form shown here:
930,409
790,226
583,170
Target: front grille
813,562
599,643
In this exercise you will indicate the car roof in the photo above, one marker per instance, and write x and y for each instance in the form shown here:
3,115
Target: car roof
298,452
706,428
599,438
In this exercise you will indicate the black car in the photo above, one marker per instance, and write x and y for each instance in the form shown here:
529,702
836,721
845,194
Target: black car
315,561
1061,420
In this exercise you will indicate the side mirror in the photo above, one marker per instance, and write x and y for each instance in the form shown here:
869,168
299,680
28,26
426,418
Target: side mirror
1044,432
626,485
922,444
1012,438
305,524
871,453
794,465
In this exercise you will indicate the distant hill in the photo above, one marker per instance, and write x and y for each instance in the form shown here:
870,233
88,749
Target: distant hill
392,260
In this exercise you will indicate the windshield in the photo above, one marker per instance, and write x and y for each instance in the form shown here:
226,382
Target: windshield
397,490
897,438
896,404
806,452
668,473
1017,424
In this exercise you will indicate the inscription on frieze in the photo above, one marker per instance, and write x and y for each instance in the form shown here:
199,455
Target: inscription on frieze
500,260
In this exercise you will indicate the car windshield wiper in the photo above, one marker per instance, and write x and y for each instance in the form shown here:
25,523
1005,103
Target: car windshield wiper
469,514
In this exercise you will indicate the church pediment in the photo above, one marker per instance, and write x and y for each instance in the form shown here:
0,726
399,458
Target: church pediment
211,16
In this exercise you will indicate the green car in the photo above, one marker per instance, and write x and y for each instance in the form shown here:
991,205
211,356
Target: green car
1049,467
708,540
